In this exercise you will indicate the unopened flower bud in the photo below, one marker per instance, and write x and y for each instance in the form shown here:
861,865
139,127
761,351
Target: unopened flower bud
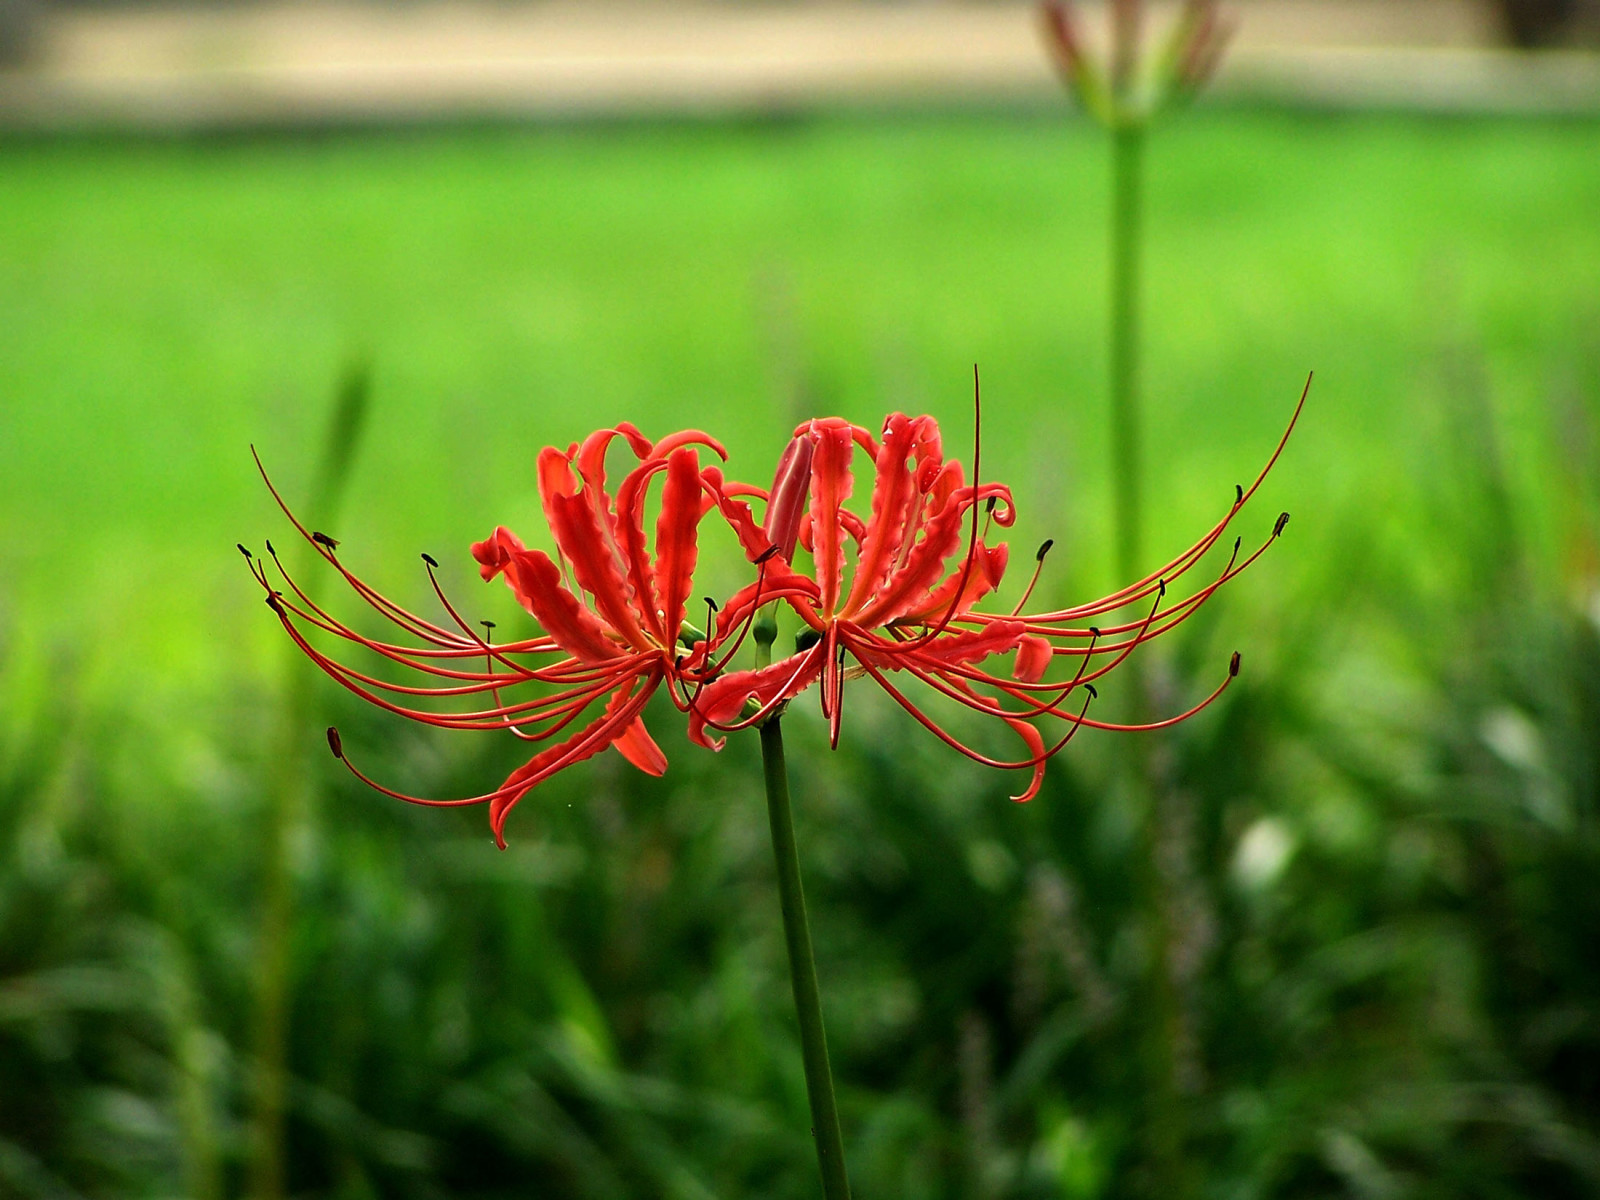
791,486
765,629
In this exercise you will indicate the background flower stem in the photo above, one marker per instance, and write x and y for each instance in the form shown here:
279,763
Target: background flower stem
803,968
1165,1132
1127,203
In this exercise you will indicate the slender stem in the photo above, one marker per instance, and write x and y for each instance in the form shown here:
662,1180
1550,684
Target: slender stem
1127,465
1165,1118
803,969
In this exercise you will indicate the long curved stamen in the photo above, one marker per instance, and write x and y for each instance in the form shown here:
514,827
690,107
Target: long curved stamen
836,708
440,639
426,660
1179,612
1038,569
750,617
627,713
990,708
478,643
703,676
498,718
1036,709
318,617
1184,561
414,624
952,741
1124,649
488,635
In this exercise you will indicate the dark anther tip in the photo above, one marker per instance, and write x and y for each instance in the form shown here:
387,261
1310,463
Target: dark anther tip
1233,665
990,503
270,550
1044,549
243,551
430,560
1093,695
712,604
334,743
766,554
487,624
1094,631
1238,493
1283,519
274,603
1237,542
1161,587
323,539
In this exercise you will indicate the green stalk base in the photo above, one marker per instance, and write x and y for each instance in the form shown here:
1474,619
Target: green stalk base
803,969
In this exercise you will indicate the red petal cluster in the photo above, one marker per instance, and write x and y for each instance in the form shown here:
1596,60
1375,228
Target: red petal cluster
612,615
892,591
907,604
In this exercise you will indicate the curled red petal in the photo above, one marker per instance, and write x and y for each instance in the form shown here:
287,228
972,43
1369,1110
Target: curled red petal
591,459
779,582
631,544
967,646
536,580
620,713
1033,659
736,513
1034,740
494,553
893,500
676,546
940,537
723,700
637,746
587,538
689,437
830,488
988,567
641,446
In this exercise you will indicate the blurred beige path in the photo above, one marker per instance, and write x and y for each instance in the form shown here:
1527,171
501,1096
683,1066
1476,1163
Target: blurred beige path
342,62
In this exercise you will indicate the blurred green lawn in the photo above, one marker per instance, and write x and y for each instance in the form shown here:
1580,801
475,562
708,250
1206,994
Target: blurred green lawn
164,304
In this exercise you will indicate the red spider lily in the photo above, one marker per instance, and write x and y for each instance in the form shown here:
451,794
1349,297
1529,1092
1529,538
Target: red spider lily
903,609
614,638
1178,69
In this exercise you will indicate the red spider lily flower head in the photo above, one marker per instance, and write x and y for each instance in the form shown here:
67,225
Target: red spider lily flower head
612,617
921,565
1122,90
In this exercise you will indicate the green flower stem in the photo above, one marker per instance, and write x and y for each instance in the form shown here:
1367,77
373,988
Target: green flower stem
803,969
1165,1118
1127,205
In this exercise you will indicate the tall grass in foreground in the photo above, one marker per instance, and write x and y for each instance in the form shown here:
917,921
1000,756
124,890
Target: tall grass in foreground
1381,851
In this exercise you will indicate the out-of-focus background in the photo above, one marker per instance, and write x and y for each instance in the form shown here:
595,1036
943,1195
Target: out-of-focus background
476,229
